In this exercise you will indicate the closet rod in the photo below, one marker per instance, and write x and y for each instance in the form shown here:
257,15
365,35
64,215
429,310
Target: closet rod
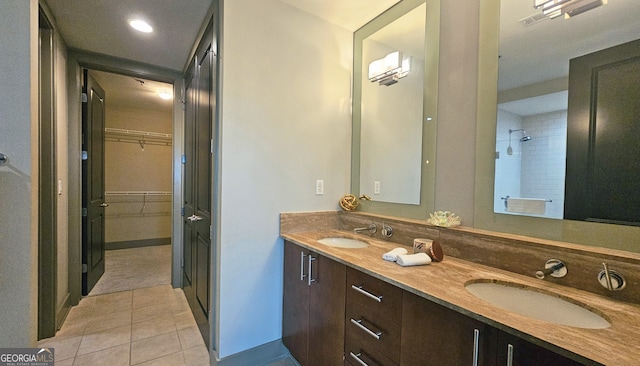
138,193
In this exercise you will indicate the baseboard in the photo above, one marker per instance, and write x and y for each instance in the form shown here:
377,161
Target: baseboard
63,311
261,355
115,245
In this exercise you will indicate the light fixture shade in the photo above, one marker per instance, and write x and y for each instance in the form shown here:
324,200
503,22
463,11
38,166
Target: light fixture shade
389,69
568,8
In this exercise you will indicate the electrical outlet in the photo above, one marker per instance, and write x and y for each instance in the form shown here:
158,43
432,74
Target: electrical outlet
376,187
319,186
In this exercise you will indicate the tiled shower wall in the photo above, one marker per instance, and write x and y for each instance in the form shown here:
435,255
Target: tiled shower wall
543,160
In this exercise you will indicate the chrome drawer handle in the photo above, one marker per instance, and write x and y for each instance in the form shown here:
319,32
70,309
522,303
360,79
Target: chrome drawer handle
367,293
357,358
510,355
302,275
476,344
310,279
358,323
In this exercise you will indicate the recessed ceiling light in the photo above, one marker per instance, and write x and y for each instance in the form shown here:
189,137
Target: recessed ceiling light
165,95
140,25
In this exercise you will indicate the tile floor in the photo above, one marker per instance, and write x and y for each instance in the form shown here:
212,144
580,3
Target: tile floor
134,317
146,326
127,269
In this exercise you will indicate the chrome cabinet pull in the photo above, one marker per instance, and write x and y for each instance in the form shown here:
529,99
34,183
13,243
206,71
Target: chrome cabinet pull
510,355
357,358
476,342
358,323
367,293
302,275
104,205
309,277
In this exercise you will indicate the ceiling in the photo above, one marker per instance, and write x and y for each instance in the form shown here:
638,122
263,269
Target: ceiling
541,51
528,54
130,92
100,26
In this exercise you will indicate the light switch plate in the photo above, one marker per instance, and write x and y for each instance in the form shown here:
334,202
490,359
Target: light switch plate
319,186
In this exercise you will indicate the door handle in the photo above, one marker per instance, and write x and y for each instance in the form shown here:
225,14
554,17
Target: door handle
194,218
104,205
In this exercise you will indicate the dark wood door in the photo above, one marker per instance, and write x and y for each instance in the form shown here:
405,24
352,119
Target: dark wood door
435,335
188,250
603,136
295,305
93,205
313,307
199,114
326,310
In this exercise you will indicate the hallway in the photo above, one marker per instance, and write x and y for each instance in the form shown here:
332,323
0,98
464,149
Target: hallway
146,326
132,317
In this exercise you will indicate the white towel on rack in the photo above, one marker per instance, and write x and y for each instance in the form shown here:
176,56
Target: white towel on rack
534,206
413,259
392,255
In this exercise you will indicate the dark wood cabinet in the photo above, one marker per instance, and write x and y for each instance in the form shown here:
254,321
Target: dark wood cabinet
334,315
435,335
373,320
313,307
515,351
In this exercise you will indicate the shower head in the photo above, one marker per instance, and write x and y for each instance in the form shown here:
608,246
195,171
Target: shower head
524,138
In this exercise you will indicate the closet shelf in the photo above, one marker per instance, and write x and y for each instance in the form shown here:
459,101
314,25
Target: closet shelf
137,196
139,193
138,137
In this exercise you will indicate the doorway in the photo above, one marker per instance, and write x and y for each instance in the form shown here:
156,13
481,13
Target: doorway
137,189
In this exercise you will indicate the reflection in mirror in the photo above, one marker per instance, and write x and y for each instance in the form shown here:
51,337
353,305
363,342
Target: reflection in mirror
532,97
392,110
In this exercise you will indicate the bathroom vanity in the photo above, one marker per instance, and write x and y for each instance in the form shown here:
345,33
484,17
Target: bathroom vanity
375,312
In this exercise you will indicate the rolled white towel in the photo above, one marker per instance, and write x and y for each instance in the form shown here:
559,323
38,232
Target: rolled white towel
392,256
413,259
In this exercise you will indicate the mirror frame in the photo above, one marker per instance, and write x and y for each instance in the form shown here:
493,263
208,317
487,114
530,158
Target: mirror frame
617,237
432,46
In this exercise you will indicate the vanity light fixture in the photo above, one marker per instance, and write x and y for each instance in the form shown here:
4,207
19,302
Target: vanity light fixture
568,8
140,25
389,69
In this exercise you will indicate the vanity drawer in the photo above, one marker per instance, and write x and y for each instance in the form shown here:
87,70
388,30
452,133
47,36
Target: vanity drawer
381,300
373,315
356,346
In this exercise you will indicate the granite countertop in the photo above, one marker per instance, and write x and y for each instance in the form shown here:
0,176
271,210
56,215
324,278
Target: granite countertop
444,283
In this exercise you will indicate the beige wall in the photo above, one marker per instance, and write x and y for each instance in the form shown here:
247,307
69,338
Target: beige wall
18,183
285,123
62,171
129,167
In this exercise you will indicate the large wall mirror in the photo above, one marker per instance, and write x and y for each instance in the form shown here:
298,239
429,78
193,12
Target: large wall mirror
395,82
531,130
528,66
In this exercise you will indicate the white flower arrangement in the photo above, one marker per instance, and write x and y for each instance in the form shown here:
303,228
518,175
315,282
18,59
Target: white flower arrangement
444,219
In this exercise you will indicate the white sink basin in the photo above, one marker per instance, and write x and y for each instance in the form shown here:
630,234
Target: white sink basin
343,243
537,305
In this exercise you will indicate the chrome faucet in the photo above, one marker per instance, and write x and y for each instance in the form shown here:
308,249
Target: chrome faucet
372,228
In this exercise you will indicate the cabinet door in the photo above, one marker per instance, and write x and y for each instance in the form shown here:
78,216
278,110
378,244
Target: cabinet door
435,335
519,352
295,306
326,311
